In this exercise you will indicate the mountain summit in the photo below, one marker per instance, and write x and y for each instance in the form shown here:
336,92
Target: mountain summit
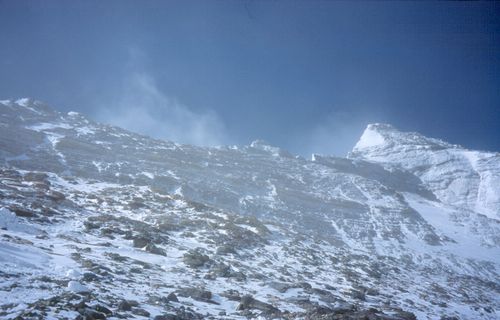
99,222
380,135
457,176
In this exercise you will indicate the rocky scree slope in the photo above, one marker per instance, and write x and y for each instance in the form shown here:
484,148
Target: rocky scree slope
98,222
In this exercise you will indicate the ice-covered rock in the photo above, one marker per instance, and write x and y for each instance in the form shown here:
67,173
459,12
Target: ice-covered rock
73,274
77,287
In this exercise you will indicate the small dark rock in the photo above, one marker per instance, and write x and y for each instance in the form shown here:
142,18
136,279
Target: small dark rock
56,196
102,309
136,270
221,270
356,294
280,286
22,212
45,279
91,314
248,302
344,308
90,277
196,294
116,257
151,248
231,294
168,317
172,297
91,225
140,312
36,176
124,305
195,258
225,249
406,315
137,204
140,242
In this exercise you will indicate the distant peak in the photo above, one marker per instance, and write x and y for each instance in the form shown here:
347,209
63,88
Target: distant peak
378,135
372,136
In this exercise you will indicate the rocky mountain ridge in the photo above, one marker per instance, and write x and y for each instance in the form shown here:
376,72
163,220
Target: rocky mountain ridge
101,222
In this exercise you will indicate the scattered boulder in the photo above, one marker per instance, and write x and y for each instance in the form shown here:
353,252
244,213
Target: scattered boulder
116,257
221,270
195,258
91,225
127,305
350,312
22,212
137,204
56,196
91,314
36,177
140,242
280,286
172,297
357,294
405,315
102,309
124,305
90,277
151,248
140,312
231,294
196,294
247,302
225,249
167,317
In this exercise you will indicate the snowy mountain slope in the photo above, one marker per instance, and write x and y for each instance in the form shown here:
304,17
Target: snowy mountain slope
464,178
95,216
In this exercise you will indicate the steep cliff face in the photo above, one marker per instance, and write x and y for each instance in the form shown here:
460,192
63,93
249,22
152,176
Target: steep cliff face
94,216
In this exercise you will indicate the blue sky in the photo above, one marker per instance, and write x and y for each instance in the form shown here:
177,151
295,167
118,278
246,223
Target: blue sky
304,75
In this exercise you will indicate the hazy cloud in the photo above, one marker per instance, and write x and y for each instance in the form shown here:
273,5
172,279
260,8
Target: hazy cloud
336,135
141,107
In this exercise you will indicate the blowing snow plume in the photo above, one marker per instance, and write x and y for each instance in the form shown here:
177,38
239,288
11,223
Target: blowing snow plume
143,108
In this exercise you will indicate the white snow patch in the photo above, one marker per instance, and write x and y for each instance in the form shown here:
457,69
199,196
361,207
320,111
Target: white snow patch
370,138
83,131
468,244
18,257
50,126
9,221
77,287
148,174
23,102
73,274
